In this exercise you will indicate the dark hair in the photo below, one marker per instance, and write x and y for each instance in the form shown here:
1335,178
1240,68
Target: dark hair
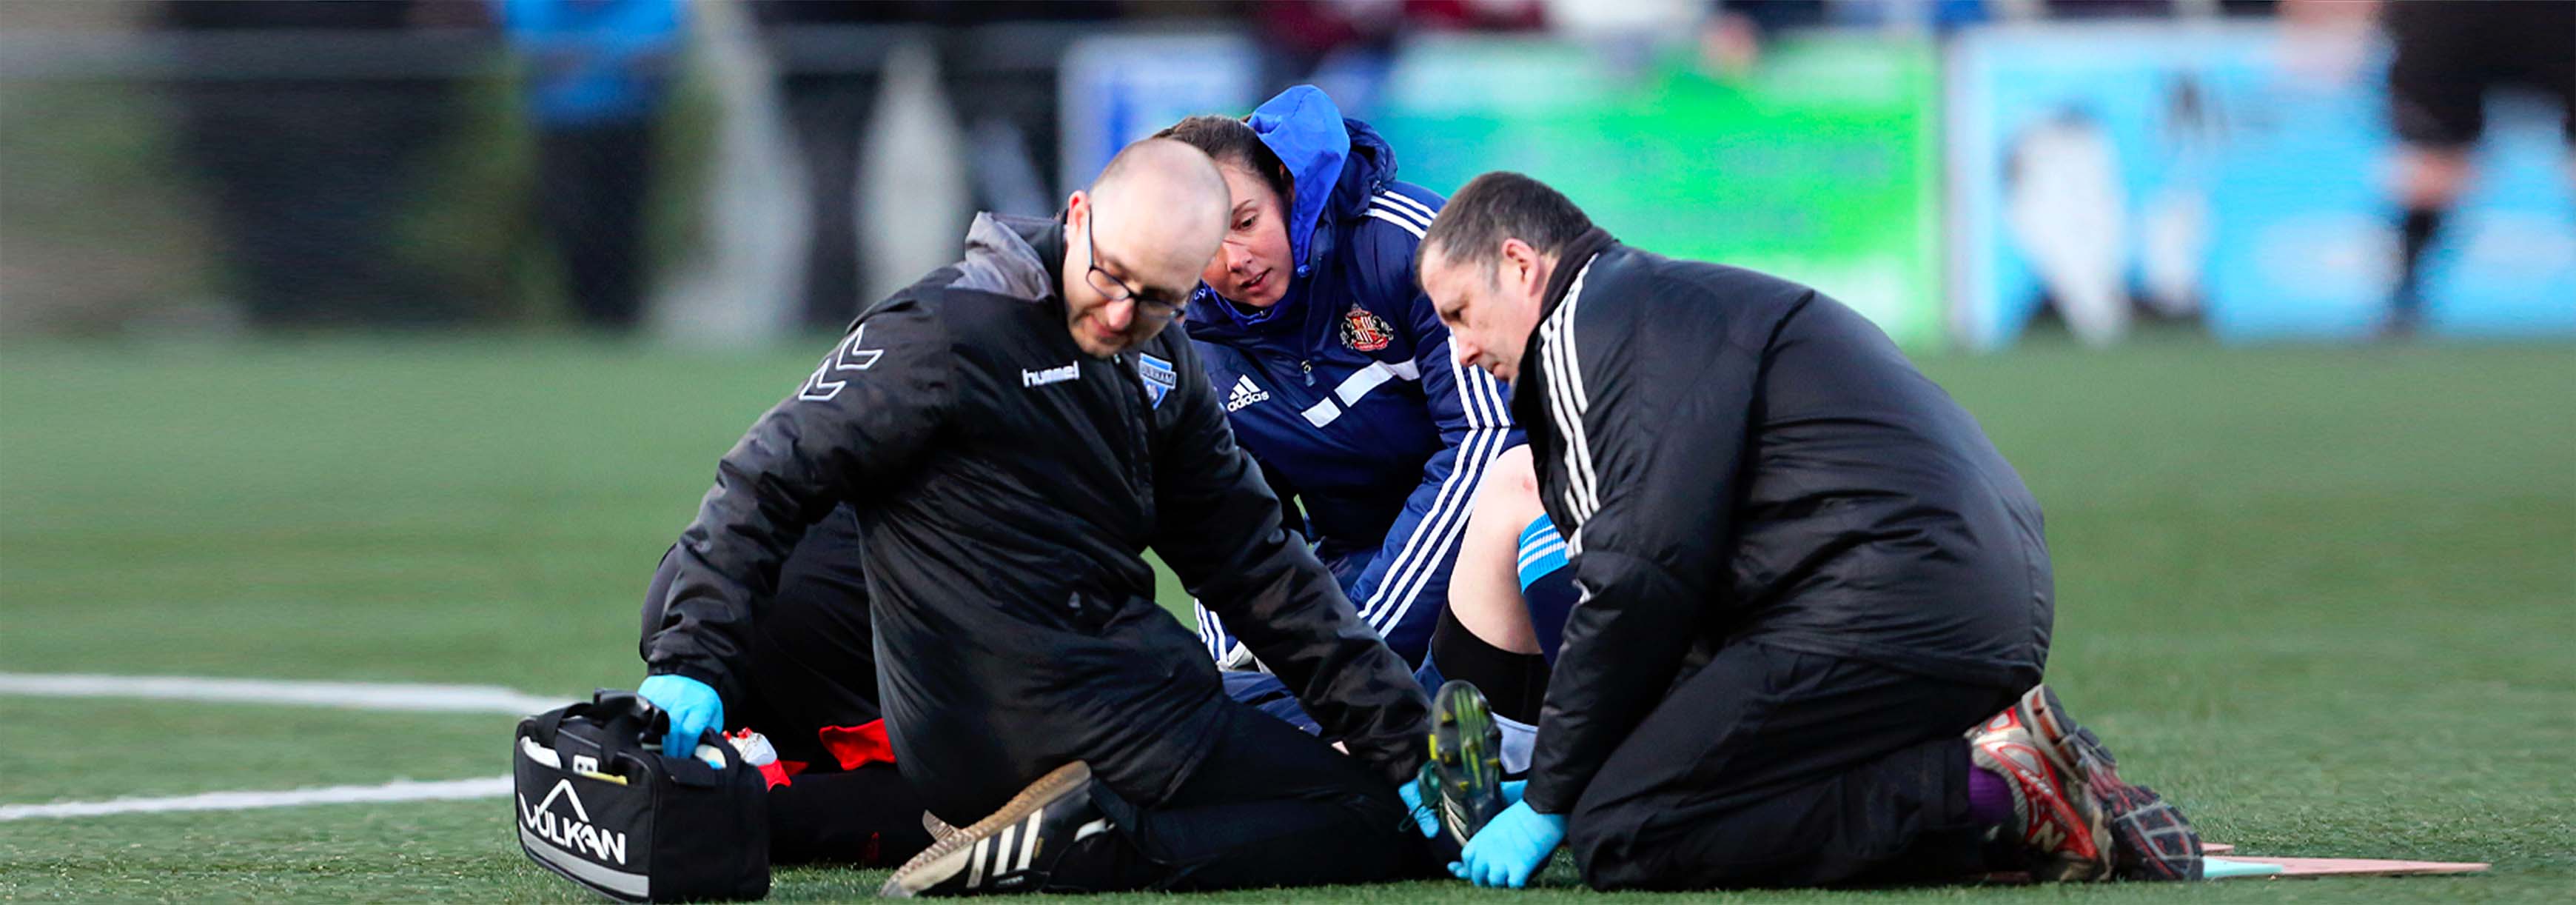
1501,205
1228,140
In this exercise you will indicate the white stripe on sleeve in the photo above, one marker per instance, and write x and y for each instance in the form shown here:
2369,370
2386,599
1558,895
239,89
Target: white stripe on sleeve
1440,529
1418,207
1383,214
1567,402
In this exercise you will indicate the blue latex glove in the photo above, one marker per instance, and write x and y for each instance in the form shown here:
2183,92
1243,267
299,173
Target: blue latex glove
1429,820
1507,851
693,707
1411,792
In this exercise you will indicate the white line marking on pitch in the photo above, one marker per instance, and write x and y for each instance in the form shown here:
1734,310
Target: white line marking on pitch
356,695
398,790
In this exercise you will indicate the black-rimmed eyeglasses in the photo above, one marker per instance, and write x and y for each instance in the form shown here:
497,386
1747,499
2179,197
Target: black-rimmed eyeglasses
1114,289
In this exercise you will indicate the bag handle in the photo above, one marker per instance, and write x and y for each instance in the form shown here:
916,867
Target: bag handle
629,719
543,727
623,718
732,758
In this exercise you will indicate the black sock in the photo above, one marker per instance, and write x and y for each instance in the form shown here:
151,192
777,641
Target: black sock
1515,685
2416,230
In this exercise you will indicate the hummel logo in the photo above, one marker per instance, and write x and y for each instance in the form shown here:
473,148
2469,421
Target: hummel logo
1245,393
1059,374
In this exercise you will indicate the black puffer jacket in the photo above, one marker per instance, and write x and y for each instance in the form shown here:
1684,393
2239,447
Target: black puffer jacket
1007,485
1735,456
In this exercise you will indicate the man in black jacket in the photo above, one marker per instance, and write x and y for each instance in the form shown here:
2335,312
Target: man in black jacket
1011,433
1816,601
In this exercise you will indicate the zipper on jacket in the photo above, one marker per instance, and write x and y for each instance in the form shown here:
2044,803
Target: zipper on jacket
1140,428
1308,366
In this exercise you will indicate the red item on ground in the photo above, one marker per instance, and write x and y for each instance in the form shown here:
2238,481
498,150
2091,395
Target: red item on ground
855,746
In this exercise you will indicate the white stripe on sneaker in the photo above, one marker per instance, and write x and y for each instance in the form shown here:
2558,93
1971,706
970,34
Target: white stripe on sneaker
1029,839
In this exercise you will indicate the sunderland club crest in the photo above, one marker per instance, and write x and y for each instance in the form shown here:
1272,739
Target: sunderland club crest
1365,331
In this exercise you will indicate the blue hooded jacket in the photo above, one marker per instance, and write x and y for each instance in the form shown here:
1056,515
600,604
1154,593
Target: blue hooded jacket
1345,390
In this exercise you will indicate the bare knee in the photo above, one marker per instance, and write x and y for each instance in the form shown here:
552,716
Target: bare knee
1484,587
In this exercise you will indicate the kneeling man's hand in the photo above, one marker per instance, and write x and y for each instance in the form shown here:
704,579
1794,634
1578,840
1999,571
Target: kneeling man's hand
693,707
1511,848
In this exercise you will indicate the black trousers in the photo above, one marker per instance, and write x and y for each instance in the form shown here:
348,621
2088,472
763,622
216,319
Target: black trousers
1776,768
1271,806
591,186
810,678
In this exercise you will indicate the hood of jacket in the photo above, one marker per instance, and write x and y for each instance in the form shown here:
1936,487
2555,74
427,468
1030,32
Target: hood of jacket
1014,256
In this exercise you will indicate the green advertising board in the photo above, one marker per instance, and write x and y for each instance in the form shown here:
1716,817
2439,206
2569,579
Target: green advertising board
1821,166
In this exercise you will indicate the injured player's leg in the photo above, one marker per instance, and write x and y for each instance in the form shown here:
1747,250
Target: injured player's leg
1508,599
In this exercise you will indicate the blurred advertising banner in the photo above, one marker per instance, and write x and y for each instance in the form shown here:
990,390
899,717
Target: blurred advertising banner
1115,89
1821,165
2236,176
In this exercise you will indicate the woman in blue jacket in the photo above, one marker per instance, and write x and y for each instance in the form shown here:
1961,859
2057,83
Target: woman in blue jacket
1338,378
1336,373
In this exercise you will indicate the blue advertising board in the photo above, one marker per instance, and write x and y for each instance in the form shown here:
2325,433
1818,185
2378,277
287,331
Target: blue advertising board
1114,89
2236,176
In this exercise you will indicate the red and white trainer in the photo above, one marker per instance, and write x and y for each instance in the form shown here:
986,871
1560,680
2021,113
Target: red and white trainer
2056,819
2149,837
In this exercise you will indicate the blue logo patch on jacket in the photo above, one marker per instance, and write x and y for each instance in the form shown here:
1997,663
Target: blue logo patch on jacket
1157,375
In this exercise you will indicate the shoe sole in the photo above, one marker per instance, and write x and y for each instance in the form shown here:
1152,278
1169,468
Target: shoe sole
1466,759
949,856
2150,838
937,828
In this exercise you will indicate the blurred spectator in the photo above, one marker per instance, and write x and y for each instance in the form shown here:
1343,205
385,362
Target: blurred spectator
1734,35
2450,56
999,61
830,76
1347,47
309,172
2129,9
827,106
1731,40
599,74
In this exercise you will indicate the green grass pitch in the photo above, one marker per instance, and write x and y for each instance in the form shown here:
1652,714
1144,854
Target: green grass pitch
2326,598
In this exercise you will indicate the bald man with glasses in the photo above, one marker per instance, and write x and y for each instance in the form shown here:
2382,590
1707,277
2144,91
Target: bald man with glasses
1006,437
